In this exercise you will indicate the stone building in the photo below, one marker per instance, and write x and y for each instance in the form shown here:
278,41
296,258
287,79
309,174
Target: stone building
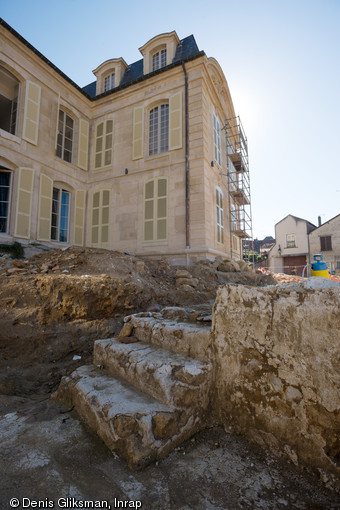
290,253
149,158
325,240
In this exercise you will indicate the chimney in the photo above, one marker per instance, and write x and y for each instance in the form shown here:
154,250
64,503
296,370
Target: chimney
319,221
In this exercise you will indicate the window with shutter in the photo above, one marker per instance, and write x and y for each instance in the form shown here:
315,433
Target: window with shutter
219,215
217,139
156,210
5,192
104,144
326,243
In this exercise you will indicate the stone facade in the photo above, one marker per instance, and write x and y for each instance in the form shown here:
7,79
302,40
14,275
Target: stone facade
276,369
326,240
91,167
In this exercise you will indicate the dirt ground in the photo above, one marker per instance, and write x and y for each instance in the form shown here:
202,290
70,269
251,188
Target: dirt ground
52,308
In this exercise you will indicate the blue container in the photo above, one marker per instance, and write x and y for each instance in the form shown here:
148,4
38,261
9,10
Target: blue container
319,268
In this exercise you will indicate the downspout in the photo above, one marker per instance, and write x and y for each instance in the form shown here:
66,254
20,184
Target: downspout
186,110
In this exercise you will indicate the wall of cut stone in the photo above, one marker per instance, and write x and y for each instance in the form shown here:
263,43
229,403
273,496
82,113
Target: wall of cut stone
277,356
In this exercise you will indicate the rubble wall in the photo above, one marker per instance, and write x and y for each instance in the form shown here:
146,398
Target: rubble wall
277,356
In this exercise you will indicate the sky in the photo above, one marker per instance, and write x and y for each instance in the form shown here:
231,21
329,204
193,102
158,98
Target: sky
281,59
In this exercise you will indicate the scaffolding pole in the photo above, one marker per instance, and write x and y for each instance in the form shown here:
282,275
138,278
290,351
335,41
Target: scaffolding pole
240,214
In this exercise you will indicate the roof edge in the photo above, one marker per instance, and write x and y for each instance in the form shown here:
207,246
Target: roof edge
149,75
42,57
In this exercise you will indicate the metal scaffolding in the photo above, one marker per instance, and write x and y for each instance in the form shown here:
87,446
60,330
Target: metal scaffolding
240,217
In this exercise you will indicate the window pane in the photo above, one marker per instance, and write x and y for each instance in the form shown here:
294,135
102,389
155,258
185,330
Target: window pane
108,141
161,229
4,199
162,187
148,231
98,161
155,61
95,217
163,58
148,210
106,197
161,212
149,188
153,133
100,129
107,160
95,202
105,215
164,128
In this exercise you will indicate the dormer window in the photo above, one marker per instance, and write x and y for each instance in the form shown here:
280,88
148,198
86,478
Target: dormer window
159,60
159,51
109,82
109,74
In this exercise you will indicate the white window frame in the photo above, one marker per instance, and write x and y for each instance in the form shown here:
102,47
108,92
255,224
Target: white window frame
290,241
159,129
61,136
109,81
219,215
4,170
159,59
61,190
217,139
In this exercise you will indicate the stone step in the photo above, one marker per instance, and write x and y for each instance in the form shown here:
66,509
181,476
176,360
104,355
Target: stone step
172,378
136,426
181,337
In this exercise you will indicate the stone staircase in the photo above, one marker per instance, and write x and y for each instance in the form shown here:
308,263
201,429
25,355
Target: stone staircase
148,390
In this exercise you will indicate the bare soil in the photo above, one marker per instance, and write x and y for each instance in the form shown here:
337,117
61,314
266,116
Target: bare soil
52,308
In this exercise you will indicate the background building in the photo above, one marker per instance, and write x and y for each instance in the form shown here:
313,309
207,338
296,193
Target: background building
290,253
326,240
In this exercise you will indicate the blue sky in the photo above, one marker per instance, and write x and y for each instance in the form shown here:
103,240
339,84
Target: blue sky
281,60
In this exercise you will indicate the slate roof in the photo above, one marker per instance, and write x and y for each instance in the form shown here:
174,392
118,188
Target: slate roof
186,50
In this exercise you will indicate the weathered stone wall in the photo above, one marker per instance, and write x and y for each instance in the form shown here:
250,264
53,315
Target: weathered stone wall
277,355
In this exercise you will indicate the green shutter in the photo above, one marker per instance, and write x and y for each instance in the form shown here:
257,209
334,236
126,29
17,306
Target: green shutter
175,121
45,208
138,133
100,236
79,217
31,114
83,144
24,203
156,210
